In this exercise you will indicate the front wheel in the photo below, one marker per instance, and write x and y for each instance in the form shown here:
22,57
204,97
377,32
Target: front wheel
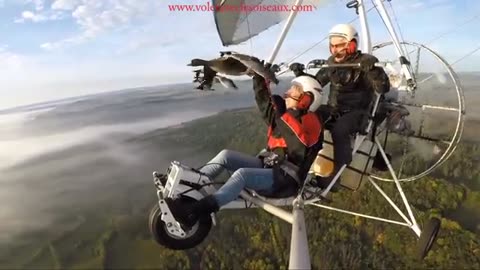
428,237
162,236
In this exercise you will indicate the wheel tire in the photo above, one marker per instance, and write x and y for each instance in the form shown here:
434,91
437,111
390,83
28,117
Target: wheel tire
428,237
160,234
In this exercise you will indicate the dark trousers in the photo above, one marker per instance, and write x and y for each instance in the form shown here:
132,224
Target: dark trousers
342,125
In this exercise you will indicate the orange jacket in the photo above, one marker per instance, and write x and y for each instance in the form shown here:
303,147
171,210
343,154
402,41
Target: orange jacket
295,133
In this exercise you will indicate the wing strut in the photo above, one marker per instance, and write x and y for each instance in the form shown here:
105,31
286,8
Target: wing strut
283,34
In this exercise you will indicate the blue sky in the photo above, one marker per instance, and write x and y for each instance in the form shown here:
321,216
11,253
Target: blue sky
52,49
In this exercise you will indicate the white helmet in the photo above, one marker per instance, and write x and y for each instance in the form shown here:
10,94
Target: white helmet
311,85
346,31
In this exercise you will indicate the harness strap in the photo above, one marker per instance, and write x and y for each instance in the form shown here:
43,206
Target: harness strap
271,160
292,170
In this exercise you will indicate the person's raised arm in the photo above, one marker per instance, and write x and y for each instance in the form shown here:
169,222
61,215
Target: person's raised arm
270,106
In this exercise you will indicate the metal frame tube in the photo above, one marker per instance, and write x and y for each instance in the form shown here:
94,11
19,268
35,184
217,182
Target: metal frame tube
393,204
427,106
361,215
374,111
335,179
299,253
365,39
244,204
388,23
393,34
397,183
284,32
276,211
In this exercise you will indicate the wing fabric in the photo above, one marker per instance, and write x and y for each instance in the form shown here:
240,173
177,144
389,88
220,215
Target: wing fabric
239,20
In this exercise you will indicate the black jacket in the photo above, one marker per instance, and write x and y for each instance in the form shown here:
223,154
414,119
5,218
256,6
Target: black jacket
352,88
295,135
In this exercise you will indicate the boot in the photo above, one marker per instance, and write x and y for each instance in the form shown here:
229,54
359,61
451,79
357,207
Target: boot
189,213
323,182
182,211
379,163
206,206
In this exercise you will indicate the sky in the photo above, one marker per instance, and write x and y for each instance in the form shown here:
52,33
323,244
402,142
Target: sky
52,49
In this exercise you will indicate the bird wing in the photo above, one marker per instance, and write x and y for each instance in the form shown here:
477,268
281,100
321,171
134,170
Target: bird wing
253,64
208,73
227,83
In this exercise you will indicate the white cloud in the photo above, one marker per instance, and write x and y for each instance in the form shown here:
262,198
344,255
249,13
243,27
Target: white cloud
148,42
65,4
29,15
39,4
143,32
98,17
39,14
414,6
10,61
36,78
50,46
57,15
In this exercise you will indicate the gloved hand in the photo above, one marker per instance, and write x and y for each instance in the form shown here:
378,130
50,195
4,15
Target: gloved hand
316,63
273,68
279,104
368,63
267,66
296,66
297,69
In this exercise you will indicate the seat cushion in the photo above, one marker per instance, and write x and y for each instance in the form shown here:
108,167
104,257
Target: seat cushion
285,192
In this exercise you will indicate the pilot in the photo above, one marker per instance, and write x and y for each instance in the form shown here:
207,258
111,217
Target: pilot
351,92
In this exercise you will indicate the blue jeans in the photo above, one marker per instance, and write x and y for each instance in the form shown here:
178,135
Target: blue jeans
248,173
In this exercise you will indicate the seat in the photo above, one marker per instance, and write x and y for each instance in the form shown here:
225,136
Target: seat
362,159
352,176
287,191
290,190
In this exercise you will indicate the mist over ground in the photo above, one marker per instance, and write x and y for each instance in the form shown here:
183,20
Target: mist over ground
68,156
65,157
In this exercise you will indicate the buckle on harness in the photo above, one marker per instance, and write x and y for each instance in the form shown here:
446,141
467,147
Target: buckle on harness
270,159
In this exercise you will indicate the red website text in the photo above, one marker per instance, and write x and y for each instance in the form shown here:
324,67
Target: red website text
241,8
